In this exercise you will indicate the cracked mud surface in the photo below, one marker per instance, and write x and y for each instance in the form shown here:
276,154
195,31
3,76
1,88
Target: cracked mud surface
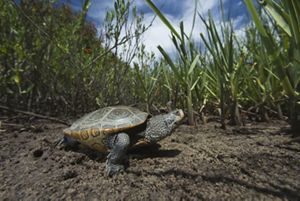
254,162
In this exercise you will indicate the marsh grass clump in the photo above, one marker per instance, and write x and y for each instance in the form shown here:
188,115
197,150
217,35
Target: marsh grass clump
54,61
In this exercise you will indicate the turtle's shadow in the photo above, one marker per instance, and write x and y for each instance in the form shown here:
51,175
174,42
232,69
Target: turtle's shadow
151,151
91,154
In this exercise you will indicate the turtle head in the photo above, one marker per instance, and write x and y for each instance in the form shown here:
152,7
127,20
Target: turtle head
174,117
161,126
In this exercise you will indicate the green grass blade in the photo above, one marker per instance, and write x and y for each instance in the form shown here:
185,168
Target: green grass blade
255,17
172,65
195,83
163,18
278,15
194,64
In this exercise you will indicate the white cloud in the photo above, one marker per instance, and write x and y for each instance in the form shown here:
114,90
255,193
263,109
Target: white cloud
175,11
239,30
205,5
159,34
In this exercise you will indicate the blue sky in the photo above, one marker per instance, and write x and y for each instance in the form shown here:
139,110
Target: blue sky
175,11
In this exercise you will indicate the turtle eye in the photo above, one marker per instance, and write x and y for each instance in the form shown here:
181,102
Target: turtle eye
178,112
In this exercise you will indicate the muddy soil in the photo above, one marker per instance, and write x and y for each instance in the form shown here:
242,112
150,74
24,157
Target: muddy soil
255,162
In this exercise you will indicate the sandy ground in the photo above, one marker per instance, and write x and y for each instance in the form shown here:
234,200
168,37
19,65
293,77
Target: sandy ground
254,162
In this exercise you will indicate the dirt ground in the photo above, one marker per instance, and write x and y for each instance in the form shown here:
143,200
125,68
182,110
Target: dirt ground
254,162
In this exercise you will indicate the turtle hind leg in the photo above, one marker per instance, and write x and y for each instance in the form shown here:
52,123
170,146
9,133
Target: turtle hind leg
119,144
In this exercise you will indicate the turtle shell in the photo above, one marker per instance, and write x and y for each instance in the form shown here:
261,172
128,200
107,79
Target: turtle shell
93,128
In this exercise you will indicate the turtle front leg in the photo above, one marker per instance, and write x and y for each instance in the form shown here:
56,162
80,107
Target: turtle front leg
119,144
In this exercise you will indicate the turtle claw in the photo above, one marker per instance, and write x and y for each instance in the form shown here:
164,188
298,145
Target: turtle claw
112,169
58,143
66,143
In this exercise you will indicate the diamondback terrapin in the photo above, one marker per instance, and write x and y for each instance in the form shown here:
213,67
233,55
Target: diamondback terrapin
117,128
